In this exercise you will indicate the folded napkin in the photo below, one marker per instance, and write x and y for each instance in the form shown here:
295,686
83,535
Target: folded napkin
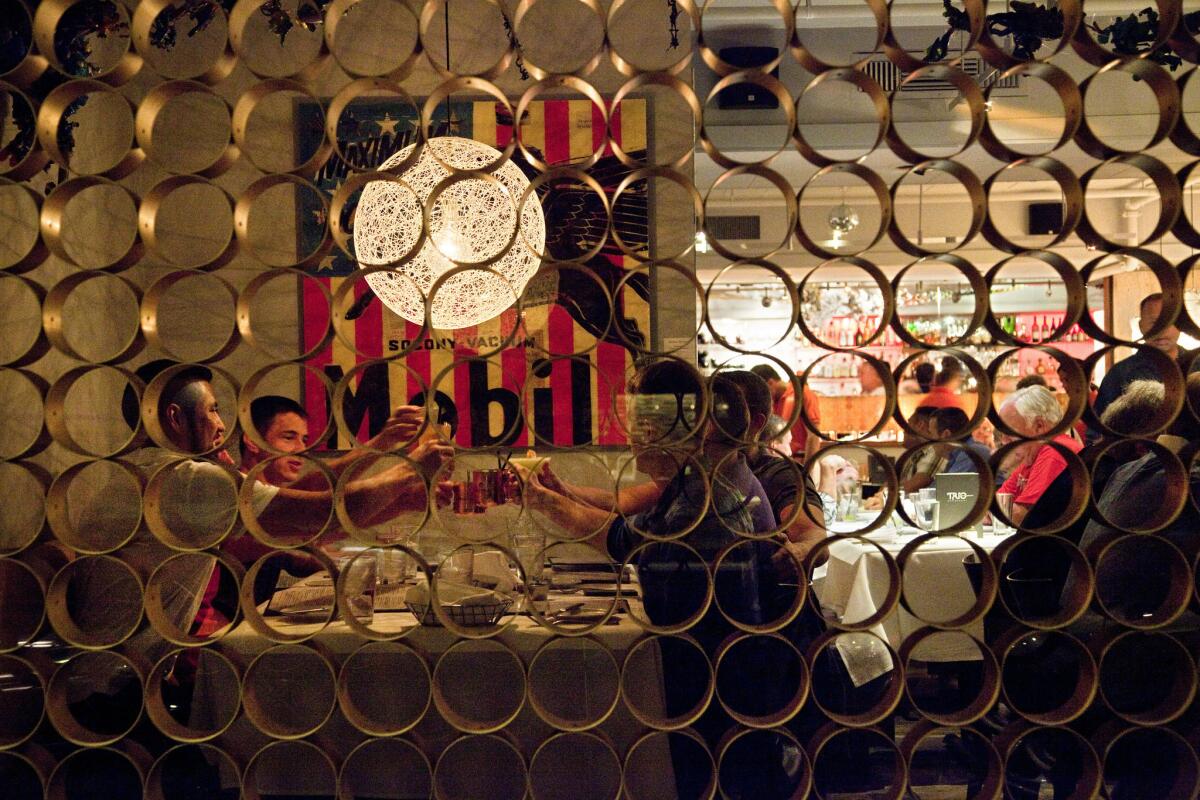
454,594
490,568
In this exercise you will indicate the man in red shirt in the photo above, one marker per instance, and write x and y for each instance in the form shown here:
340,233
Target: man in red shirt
1031,412
783,393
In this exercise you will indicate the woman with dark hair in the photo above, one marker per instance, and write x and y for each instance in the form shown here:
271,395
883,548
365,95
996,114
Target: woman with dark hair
924,373
945,386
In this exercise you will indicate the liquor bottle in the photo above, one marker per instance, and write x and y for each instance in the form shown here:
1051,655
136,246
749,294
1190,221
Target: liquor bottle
858,335
1041,367
1022,331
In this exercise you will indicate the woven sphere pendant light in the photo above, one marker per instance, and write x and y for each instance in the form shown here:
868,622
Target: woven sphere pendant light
470,221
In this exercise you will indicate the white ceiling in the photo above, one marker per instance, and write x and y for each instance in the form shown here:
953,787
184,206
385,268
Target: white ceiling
1121,111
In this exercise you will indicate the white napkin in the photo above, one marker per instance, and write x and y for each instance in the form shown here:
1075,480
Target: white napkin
490,567
453,594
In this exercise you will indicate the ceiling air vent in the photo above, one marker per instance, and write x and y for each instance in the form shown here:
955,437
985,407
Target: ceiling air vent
889,77
729,228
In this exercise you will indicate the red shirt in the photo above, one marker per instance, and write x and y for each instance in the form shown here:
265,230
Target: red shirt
784,408
1028,482
941,397
208,619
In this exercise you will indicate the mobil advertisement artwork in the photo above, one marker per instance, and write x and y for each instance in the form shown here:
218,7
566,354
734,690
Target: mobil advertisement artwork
553,374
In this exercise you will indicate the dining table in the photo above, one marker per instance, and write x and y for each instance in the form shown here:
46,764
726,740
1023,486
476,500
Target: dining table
528,684
853,586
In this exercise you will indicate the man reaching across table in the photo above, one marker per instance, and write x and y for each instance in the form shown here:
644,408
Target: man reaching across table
703,532
282,424
789,487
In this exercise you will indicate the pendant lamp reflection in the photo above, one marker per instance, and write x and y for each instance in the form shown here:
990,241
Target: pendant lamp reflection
471,220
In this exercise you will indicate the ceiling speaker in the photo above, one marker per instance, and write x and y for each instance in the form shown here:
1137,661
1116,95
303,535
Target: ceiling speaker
748,95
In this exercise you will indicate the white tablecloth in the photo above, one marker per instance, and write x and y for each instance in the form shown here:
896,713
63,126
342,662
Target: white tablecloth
434,734
855,584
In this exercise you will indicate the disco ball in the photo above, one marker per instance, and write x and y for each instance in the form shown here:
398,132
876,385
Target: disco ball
842,219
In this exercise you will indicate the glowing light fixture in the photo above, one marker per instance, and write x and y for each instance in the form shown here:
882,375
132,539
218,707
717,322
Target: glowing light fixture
470,221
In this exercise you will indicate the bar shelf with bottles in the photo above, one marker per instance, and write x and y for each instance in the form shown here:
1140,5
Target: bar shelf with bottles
837,373
940,331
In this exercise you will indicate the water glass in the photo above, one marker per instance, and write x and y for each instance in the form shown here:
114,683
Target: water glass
395,567
928,513
850,502
360,579
529,546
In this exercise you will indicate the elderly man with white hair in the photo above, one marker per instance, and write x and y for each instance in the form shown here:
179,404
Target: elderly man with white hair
1032,412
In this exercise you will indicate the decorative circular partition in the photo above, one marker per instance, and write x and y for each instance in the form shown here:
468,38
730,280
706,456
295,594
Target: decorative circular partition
174,177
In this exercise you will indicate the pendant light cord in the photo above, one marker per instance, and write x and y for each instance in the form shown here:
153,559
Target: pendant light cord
446,16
